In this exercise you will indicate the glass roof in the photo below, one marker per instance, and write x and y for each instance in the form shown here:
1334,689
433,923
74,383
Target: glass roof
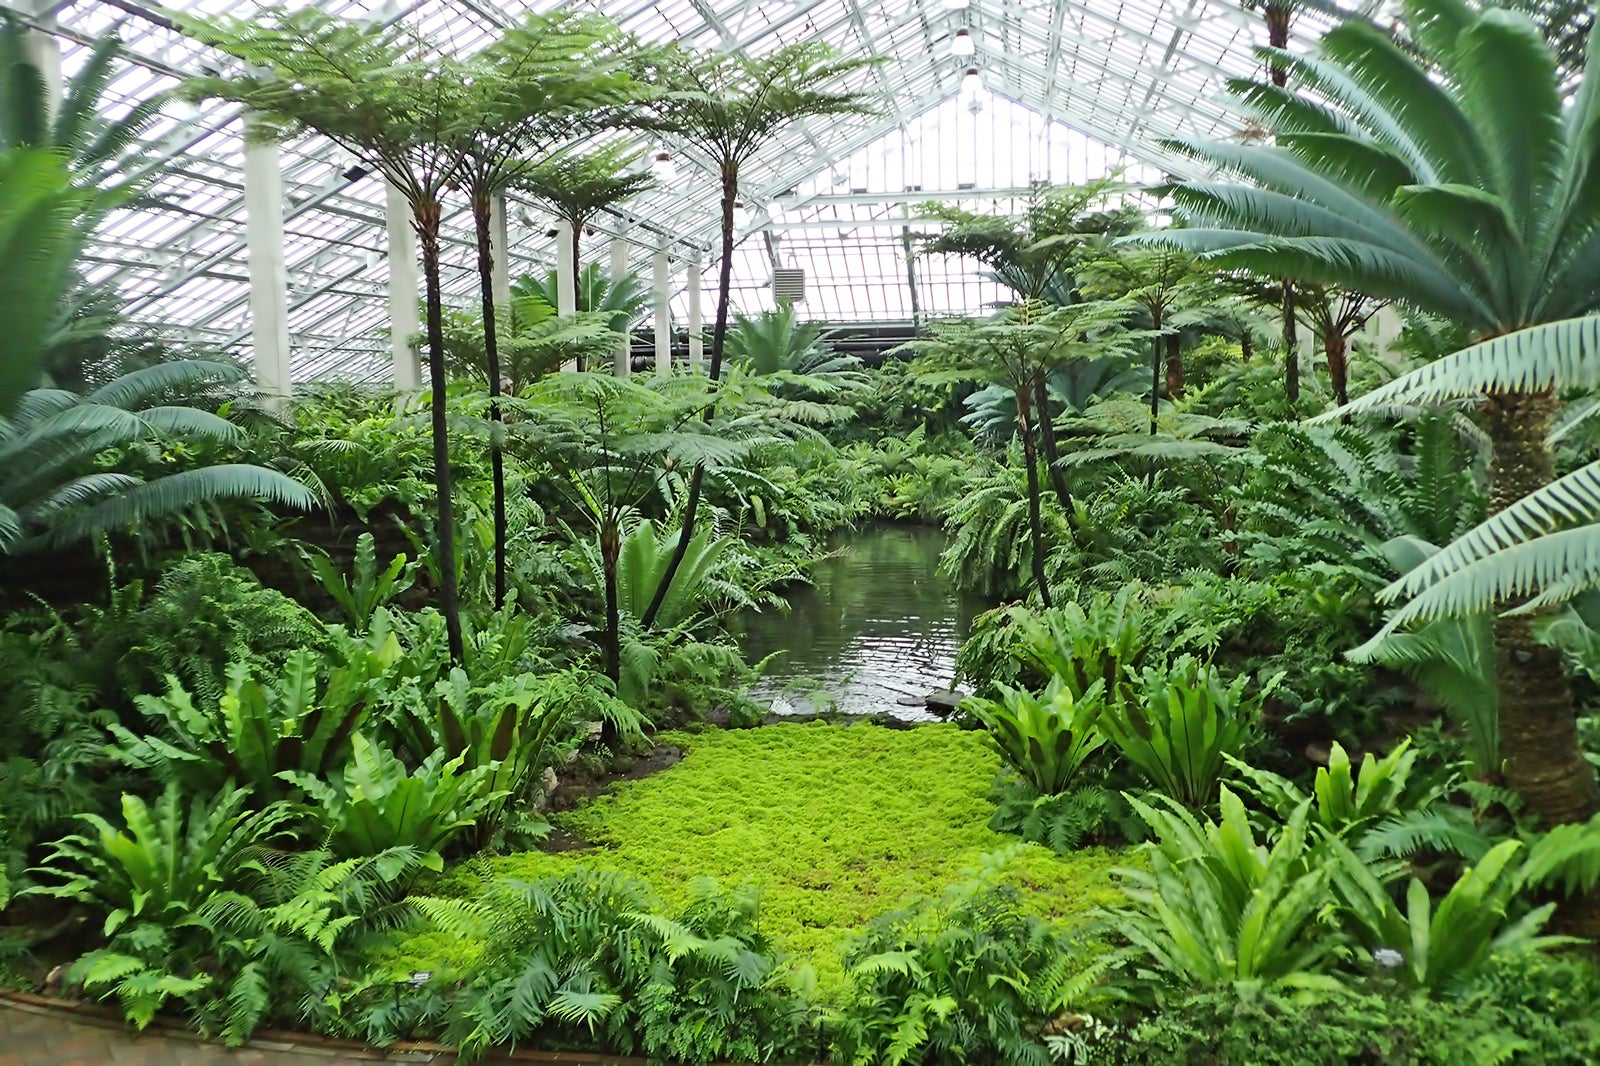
1067,90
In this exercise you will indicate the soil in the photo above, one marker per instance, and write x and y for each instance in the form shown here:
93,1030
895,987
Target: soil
583,781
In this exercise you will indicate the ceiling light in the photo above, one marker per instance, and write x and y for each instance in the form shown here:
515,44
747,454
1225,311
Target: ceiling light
741,216
971,82
957,5
962,43
663,167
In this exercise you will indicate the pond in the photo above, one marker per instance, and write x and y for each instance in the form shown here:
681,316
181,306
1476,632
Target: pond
876,633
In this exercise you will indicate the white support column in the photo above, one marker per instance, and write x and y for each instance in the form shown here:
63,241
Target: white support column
44,50
619,270
405,291
566,279
501,236
697,343
269,275
663,312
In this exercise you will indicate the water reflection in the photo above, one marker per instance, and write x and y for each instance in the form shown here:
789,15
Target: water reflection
879,626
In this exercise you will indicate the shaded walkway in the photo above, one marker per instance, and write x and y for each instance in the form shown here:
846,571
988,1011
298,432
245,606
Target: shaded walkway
32,1033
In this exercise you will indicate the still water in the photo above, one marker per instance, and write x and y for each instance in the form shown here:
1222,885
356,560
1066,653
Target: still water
878,630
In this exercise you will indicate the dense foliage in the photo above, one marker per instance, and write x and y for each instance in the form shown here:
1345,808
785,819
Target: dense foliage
1283,725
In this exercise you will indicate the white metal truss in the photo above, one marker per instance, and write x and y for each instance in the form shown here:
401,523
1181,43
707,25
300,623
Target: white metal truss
1107,79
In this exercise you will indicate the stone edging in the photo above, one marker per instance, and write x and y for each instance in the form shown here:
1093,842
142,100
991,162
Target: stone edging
300,1043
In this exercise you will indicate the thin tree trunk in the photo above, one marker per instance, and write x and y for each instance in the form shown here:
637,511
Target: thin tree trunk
1247,346
1035,518
1291,348
1052,454
719,338
427,226
1543,759
491,353
1155,371
610,549
1174,366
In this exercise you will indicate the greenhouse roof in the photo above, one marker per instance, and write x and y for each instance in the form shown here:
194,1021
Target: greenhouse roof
1067,90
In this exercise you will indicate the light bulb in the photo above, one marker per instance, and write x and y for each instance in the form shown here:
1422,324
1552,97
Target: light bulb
971,83
741,216
962,44
663,167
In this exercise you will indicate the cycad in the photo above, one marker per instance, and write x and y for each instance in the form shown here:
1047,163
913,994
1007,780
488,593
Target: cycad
100,143
777,343
1465,182
50,492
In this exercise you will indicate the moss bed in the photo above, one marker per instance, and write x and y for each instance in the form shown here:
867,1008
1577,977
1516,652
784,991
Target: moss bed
835,824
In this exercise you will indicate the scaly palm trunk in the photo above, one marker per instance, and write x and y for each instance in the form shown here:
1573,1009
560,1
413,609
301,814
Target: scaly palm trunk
426,224
719,340
1544,762
1030,458
1052,454
491,352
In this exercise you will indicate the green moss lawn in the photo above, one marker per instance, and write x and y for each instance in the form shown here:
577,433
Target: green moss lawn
835,824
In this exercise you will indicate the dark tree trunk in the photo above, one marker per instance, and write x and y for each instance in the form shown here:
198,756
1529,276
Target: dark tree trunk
426,224
577,288
719,339
1174,366
1543,759
1247,346
1052,454
1291,348
1155,371
610,549
1035,519
491,353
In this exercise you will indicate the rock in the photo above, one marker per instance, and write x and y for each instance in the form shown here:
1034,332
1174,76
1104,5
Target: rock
944,703
549,782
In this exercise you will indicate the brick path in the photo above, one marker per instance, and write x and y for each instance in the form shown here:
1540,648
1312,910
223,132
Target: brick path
33,1033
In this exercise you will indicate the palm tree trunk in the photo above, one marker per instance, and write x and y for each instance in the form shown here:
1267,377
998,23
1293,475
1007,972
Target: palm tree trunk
719,340
1174,366
1035,518
1052,454
1544,762
427,226
491,353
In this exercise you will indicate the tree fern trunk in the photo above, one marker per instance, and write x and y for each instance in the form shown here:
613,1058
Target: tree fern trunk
427,226
1336,348
719,340
491,353
610,549
1174,366
1030,459
1544,762
1052,454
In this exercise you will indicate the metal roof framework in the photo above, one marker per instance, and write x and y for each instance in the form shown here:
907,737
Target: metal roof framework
1070,89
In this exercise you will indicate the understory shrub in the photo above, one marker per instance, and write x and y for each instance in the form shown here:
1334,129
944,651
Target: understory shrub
588,958
967,977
